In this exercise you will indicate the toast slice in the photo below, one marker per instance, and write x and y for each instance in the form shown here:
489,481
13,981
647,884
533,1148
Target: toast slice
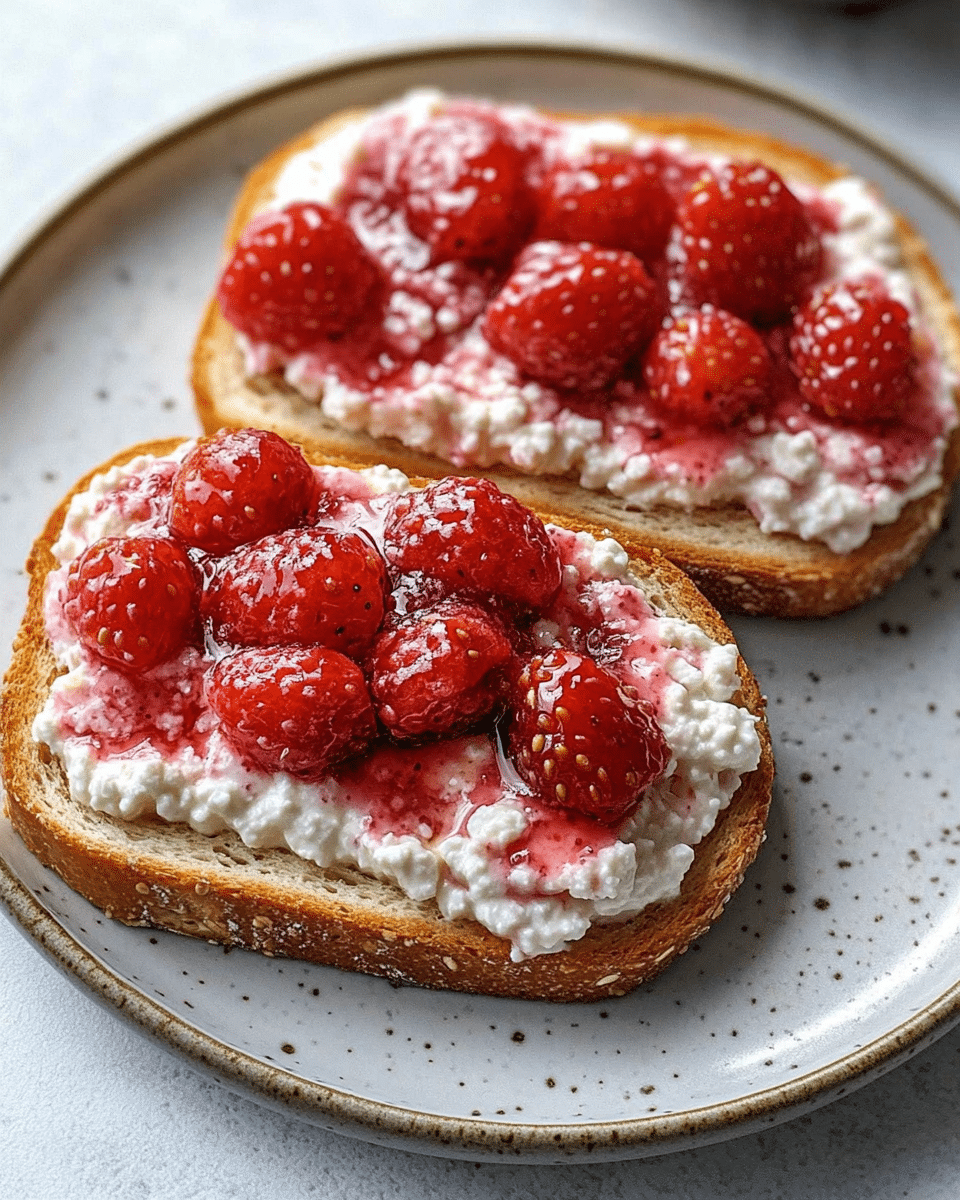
152,873
722,547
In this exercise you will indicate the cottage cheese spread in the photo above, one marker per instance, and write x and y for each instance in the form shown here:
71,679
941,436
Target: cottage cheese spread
135,746
795,471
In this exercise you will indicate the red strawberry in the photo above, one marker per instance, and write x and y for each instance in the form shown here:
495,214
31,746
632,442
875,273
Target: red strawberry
748,244
438,671
474,539
707,365
579,739
299,709
238,486
612,198
133,601
571,316
852,352
297,277
313,585
464,193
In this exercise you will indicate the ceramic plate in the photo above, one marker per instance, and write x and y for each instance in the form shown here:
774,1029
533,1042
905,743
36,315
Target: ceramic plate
837,959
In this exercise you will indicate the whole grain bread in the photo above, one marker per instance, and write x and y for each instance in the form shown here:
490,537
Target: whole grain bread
722,548
151,873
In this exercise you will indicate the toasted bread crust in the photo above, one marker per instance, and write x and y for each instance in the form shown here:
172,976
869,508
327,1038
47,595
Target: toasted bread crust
721,547
170,877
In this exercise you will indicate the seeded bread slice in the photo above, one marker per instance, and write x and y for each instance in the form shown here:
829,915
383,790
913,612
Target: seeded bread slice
721,547
168,876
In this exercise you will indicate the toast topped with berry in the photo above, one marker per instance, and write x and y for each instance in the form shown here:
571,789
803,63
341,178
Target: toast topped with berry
701,339
411,730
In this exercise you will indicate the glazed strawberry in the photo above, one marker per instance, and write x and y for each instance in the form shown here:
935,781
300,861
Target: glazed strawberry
299,709
852,352
297,277
475,540
313,585
612,198
747,244
708,366
133,601
438,671
579,740
238,486
571,316
463,187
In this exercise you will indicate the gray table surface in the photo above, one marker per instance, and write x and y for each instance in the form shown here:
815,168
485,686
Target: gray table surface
87,1108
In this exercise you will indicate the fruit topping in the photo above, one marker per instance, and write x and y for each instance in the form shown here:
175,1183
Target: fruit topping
299,709
314,585
439,671
579,739
239,486
297,277
612,198
747,243
570,315
707,366
475,540
462,181
852,353
132,600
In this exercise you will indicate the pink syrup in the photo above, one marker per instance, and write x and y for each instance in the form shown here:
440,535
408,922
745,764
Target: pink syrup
162,710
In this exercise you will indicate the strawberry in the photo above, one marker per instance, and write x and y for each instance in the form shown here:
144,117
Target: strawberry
475,540
239,486
852,352
438,671
571,316
299,709
312,585
463,187
612,198
579,740
297,277
707,365
747,243
133,601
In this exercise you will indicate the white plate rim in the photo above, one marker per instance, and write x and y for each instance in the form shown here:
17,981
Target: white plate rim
381,1121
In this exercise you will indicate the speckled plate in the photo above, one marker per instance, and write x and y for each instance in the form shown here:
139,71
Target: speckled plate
840,955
